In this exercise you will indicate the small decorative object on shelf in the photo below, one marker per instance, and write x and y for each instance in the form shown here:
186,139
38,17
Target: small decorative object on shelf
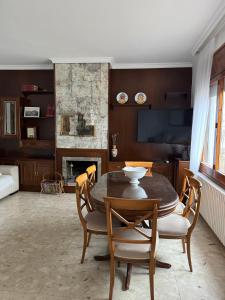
140,98
122,98
31,132
50,111
29,87
114,150
31,112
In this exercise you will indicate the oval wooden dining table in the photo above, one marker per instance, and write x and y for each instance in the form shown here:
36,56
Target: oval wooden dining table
116,184
156,186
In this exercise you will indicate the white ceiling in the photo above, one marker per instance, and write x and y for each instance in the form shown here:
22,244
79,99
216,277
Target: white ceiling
130,31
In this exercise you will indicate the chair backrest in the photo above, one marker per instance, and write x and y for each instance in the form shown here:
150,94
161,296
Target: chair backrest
193,206
185,184
91,171
145,164
82,197
145,209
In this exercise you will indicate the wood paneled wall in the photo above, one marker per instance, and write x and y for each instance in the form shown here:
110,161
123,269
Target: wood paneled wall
155,83
11,82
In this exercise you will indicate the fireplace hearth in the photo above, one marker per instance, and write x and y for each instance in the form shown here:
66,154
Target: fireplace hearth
74,166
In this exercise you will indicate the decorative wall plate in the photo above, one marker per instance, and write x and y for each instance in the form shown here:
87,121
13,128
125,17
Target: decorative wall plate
140,98
122,98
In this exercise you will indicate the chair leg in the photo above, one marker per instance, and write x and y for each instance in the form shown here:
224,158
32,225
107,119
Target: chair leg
112,277
89,238
189,253
151,279
183,244
128,276
84,246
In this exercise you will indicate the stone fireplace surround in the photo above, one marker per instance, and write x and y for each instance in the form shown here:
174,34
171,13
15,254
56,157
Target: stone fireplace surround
82,88
85,154
67,162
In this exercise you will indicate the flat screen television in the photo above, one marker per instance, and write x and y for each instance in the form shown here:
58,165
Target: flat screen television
170,126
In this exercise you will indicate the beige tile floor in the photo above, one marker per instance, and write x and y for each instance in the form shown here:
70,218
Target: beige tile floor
40,249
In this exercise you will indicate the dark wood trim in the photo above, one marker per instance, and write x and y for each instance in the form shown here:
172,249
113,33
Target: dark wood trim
217,77
69,189
30,188
17,117
10,86
155,83
212,174
219,49
60,152
55,125
219,121
218,65
34,143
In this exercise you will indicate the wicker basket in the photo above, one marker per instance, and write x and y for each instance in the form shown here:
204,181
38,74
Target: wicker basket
52,184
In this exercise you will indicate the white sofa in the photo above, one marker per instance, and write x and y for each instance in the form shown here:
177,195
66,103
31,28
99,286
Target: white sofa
9,180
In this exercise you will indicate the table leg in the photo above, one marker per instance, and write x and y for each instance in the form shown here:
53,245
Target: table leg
102,257
163,265
127,280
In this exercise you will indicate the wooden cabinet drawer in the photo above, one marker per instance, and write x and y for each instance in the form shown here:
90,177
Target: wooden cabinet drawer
165,169
32,172
43,168
179,174
115,165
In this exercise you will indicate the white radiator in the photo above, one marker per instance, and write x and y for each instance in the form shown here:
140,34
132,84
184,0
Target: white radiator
213,207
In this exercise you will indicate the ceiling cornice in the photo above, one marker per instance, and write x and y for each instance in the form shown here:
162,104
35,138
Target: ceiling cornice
26,67
211,28
81,60
99,60
58,60
152,65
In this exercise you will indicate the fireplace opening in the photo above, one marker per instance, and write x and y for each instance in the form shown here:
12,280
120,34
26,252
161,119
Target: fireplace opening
74,166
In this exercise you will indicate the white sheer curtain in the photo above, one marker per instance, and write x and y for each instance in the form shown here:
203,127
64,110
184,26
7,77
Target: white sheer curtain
200,91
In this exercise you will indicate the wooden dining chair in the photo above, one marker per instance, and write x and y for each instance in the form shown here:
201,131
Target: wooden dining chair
92,221
145,164
91,173
132,243
175,226
184,195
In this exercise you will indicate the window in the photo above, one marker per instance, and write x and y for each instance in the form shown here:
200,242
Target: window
213,158
209,146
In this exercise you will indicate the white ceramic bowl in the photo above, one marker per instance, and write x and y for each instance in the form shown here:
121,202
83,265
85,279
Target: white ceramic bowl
134,191
134,173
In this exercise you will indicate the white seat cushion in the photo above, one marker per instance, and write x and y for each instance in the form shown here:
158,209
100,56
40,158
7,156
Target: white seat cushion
6,181
173,225
9,180
133,251
96,221
179,208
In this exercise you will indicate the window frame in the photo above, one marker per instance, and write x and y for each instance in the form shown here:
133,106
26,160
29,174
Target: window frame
213,172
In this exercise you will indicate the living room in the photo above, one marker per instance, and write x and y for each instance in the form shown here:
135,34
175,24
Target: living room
109,103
